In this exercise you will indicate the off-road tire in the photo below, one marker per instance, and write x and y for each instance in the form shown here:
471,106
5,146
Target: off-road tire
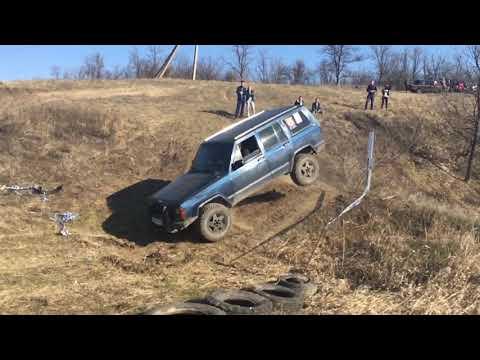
185,308
239,302
213,216
298,283
305,169
284,300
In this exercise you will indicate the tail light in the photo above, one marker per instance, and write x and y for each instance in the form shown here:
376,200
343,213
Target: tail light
182,213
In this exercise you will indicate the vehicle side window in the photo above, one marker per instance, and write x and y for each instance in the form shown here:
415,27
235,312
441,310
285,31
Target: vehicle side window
296,122
279,132
268,138
249,148
244,151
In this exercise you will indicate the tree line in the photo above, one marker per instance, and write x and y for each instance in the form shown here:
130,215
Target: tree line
337,65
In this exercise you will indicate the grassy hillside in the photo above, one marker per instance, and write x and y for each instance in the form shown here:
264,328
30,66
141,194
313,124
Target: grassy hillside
411,247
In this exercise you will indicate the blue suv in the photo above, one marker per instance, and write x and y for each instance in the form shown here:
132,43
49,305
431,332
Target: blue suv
235,163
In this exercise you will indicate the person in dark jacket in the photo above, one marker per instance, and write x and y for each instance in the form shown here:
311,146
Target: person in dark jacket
316,107
241,99
371,90
299,101
385,95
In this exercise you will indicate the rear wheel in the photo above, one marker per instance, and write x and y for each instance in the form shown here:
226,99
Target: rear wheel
305,169
214,222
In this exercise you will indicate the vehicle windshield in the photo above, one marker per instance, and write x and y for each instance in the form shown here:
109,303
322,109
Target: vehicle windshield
212,158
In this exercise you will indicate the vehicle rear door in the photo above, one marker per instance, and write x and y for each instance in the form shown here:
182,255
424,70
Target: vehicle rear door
249,169
277,149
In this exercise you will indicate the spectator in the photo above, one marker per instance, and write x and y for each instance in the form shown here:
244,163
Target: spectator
385,95
299,101
371,90
241,94
250,101
316,108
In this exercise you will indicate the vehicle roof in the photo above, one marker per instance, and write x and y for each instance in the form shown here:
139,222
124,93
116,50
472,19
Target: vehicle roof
229,134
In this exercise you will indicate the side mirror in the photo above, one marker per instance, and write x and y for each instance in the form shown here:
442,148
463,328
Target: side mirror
237,165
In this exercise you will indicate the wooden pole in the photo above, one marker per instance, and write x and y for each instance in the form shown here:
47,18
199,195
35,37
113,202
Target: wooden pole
167,62
475,137
195,57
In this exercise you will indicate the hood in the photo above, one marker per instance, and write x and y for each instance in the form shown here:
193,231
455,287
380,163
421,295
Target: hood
183,187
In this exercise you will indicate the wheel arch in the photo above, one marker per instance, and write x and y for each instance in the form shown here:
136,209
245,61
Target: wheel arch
307,149
215,199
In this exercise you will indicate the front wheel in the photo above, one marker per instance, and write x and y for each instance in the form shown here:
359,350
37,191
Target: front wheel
305,170
214,222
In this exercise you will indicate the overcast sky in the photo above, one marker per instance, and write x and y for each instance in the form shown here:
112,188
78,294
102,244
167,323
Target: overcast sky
24,62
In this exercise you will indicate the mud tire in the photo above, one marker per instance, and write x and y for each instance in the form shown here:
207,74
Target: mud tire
239,302
214,222
306,169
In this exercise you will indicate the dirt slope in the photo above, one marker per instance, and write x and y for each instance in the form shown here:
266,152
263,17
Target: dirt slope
111,143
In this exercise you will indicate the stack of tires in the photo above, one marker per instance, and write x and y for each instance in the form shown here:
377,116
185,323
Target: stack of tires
285,295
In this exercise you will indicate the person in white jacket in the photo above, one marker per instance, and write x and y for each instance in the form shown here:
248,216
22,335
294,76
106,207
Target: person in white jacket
250,101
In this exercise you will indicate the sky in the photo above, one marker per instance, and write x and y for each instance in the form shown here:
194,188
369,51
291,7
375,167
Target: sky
26,62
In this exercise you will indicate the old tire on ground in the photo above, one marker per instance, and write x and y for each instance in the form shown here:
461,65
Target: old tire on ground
214,222
185,308
305,169
283,298
298,283
239,302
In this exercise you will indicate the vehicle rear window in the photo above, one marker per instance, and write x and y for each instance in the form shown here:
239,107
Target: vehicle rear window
212,157
296,122
268,138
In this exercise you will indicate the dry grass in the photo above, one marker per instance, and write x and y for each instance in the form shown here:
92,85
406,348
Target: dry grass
112,143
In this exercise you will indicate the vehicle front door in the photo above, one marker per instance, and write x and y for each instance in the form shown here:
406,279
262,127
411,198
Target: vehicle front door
277,149
249,170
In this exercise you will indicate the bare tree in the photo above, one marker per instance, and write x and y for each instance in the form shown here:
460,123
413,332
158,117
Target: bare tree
279,71
181,68
434,66
93,67
263,72
326,72
209,69
153,61
137,65
299,71
473,53
55,72
339,57
382,57
229,76
415,61
242,58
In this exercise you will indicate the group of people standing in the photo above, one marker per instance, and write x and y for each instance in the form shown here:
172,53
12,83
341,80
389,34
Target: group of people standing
245,98
372,90
316,107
